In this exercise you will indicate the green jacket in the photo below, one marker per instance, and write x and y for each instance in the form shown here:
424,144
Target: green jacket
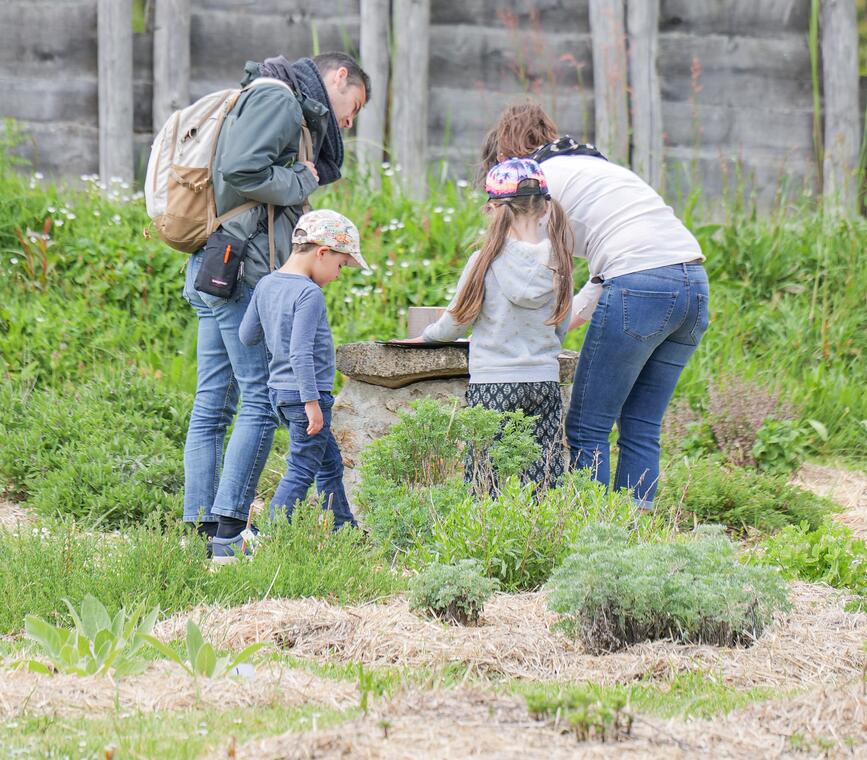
256,159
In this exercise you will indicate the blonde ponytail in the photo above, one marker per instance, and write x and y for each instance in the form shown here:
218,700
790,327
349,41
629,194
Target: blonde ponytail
562,241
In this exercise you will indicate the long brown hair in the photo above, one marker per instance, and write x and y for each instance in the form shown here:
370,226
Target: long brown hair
503,214
520,129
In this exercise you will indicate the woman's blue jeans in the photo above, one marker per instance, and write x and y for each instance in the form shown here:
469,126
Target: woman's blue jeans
311,458
643,331
216,485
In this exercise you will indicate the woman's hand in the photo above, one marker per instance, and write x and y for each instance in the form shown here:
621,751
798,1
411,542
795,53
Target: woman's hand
577,321
419,339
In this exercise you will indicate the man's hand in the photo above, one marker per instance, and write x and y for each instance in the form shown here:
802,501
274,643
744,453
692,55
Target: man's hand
314,417
312,168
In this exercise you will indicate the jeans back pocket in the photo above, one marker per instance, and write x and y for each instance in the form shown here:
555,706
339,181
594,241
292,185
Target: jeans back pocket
647,312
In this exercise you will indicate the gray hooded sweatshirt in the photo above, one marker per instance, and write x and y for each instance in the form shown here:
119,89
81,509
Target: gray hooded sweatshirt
511,342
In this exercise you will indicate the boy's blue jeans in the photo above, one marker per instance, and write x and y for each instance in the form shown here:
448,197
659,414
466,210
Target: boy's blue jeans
217,485
642,333
311,458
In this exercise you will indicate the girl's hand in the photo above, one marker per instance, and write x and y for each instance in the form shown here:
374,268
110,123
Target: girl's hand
419,339
314,417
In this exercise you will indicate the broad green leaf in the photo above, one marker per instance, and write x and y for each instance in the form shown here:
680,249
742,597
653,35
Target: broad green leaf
74,615
820,429
194,641
94,616
129,667
206,661
43,633
148,621
166,651
34,666
246,653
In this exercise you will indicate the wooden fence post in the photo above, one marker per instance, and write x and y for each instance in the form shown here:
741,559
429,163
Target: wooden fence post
171,59
609,78
409,93
114,29
842,113
642,22
375,21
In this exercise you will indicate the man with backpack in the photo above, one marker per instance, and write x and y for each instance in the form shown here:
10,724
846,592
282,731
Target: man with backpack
277,144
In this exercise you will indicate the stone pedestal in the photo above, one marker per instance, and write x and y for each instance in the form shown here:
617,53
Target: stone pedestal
384,380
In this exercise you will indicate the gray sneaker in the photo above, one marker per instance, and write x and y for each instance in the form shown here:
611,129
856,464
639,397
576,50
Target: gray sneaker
224,550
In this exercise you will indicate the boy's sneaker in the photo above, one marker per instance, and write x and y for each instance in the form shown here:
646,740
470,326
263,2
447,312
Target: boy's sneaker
224,550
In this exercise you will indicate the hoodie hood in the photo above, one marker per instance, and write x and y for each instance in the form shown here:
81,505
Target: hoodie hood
523,273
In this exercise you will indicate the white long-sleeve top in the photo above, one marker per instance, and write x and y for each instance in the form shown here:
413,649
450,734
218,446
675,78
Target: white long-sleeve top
621,224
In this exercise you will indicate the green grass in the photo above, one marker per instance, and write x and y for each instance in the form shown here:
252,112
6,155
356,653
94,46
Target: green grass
693,694
174,735
151,564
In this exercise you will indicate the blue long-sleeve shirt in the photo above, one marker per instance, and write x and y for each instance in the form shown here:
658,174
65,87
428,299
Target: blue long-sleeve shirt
288,311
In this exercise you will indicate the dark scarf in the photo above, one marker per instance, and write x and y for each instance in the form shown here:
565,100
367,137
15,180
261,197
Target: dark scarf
303,75
565,146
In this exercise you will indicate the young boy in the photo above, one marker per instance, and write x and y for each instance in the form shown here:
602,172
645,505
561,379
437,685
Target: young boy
288,310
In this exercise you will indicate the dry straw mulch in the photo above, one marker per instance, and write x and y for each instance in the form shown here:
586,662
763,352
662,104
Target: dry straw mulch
847,487
464,723
817,643
165,686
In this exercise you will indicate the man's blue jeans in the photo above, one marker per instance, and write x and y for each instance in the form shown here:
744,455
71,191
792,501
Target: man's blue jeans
645,328
311,458
216,485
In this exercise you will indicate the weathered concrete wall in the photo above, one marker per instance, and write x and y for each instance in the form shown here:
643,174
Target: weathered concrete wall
735,76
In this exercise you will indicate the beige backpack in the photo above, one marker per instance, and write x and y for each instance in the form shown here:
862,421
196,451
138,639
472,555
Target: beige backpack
179,188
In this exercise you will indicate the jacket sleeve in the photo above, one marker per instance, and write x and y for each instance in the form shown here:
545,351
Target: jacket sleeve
268,123
250,331
309,310
445,329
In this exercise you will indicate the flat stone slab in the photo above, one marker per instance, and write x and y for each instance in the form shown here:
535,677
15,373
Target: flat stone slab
392,367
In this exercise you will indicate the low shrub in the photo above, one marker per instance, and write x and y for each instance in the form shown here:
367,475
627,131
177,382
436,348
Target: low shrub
428,444
611,594
827,554
520,535
739,498
454,593
110,450
399,516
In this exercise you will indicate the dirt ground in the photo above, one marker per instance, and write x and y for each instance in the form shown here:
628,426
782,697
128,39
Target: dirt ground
12,514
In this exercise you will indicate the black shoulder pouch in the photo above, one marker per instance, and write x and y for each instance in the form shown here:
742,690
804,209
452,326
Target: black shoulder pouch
222,264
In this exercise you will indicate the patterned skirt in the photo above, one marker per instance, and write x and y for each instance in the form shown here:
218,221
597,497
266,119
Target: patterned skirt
540,400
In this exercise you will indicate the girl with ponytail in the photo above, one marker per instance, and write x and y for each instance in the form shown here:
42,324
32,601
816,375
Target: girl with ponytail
516,295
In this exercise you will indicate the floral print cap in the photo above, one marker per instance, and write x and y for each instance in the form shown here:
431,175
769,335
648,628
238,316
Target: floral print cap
326,227
503,179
